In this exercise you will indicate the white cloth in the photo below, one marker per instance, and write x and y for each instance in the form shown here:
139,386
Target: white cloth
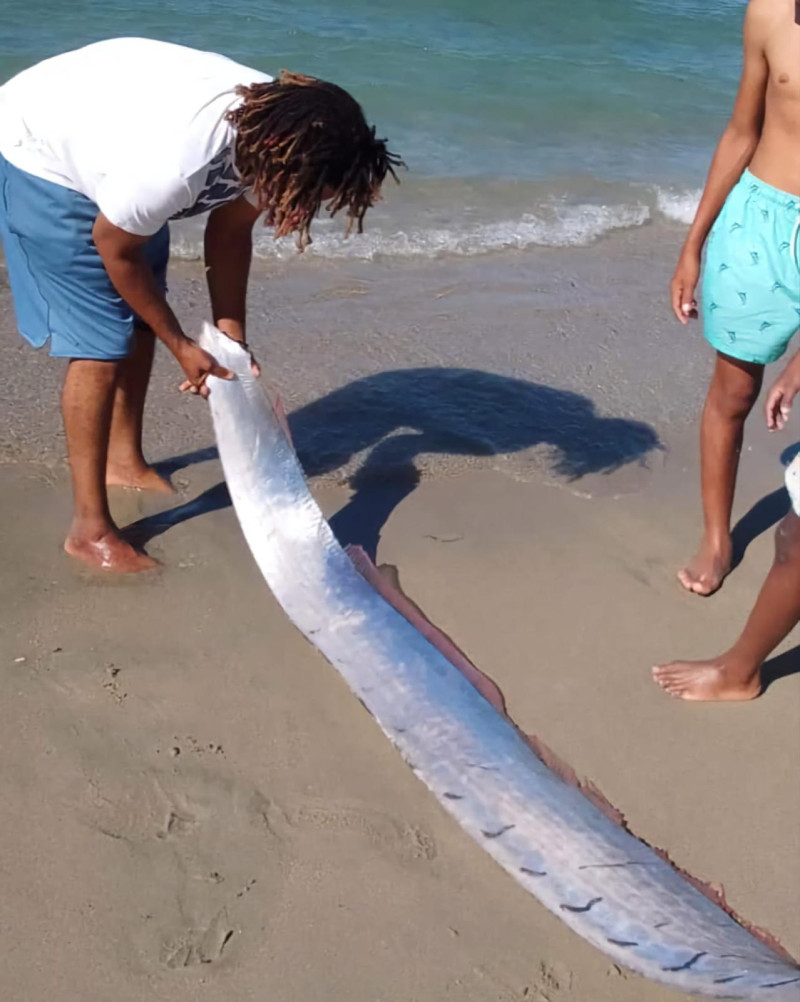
135,125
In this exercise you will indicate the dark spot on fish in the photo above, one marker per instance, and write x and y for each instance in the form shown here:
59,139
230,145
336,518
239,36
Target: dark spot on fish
661,925
399,730
533,873
582,908
741,956
778,984
689,963
725,981
614,866
485,768
454,796
498,833
622,942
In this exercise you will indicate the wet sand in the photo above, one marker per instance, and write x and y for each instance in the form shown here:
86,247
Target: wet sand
195,805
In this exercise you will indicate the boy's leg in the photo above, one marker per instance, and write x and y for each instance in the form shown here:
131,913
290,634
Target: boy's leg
126,465
737,674
734,389
87,405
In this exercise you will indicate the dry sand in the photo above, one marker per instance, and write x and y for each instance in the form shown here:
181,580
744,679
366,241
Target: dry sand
195,806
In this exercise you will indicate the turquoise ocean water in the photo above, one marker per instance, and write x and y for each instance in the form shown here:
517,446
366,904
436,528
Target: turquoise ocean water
521,121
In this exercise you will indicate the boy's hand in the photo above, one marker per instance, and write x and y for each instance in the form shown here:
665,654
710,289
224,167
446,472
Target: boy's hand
684,282
198,366
782,394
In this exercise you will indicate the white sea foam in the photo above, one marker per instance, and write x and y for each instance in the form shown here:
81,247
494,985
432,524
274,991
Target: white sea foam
679,206
413,230
559,226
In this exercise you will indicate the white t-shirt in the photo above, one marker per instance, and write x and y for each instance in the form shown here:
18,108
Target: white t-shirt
135,125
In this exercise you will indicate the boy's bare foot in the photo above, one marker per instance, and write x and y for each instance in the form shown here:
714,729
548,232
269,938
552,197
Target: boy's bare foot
141,478
108,552
704,574
722,679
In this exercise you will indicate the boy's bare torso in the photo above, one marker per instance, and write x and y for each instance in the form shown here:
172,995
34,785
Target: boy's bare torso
777,159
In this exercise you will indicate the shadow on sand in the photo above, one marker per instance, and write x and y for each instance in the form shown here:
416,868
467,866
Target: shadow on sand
395,417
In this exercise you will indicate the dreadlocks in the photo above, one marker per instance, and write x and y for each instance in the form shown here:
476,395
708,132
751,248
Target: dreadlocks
300,140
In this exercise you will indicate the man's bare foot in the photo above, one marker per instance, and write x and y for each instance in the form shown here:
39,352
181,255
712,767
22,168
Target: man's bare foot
141,478
719,680
705,573
108,553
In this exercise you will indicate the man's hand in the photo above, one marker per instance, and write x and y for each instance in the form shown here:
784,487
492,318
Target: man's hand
198,366
237,335
684,283
782,394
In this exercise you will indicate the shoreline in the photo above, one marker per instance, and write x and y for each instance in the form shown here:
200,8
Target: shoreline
572,356
435,219
583,322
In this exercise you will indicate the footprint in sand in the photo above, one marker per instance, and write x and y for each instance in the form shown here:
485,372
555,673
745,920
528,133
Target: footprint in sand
140,813
553,979
547,985
199,946
379,828
177,825
209,854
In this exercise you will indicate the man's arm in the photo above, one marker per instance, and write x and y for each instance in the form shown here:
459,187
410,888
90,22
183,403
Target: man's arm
228,252
733,154
131,275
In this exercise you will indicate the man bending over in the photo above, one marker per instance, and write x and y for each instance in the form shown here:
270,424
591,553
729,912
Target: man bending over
99,149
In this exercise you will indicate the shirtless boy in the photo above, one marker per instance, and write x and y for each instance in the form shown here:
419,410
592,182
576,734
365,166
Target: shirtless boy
99,149
760,222
751,285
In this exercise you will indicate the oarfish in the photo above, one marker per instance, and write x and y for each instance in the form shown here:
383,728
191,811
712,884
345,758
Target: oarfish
611,888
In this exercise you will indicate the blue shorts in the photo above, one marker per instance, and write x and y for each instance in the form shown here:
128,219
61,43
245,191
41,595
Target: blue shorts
60,286
751,284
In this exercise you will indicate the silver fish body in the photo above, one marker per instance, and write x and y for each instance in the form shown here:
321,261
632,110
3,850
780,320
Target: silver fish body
608,886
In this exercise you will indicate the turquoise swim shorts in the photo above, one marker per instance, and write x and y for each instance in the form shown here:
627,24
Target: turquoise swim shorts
751,284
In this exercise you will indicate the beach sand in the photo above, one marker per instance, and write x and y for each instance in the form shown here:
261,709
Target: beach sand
196,807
